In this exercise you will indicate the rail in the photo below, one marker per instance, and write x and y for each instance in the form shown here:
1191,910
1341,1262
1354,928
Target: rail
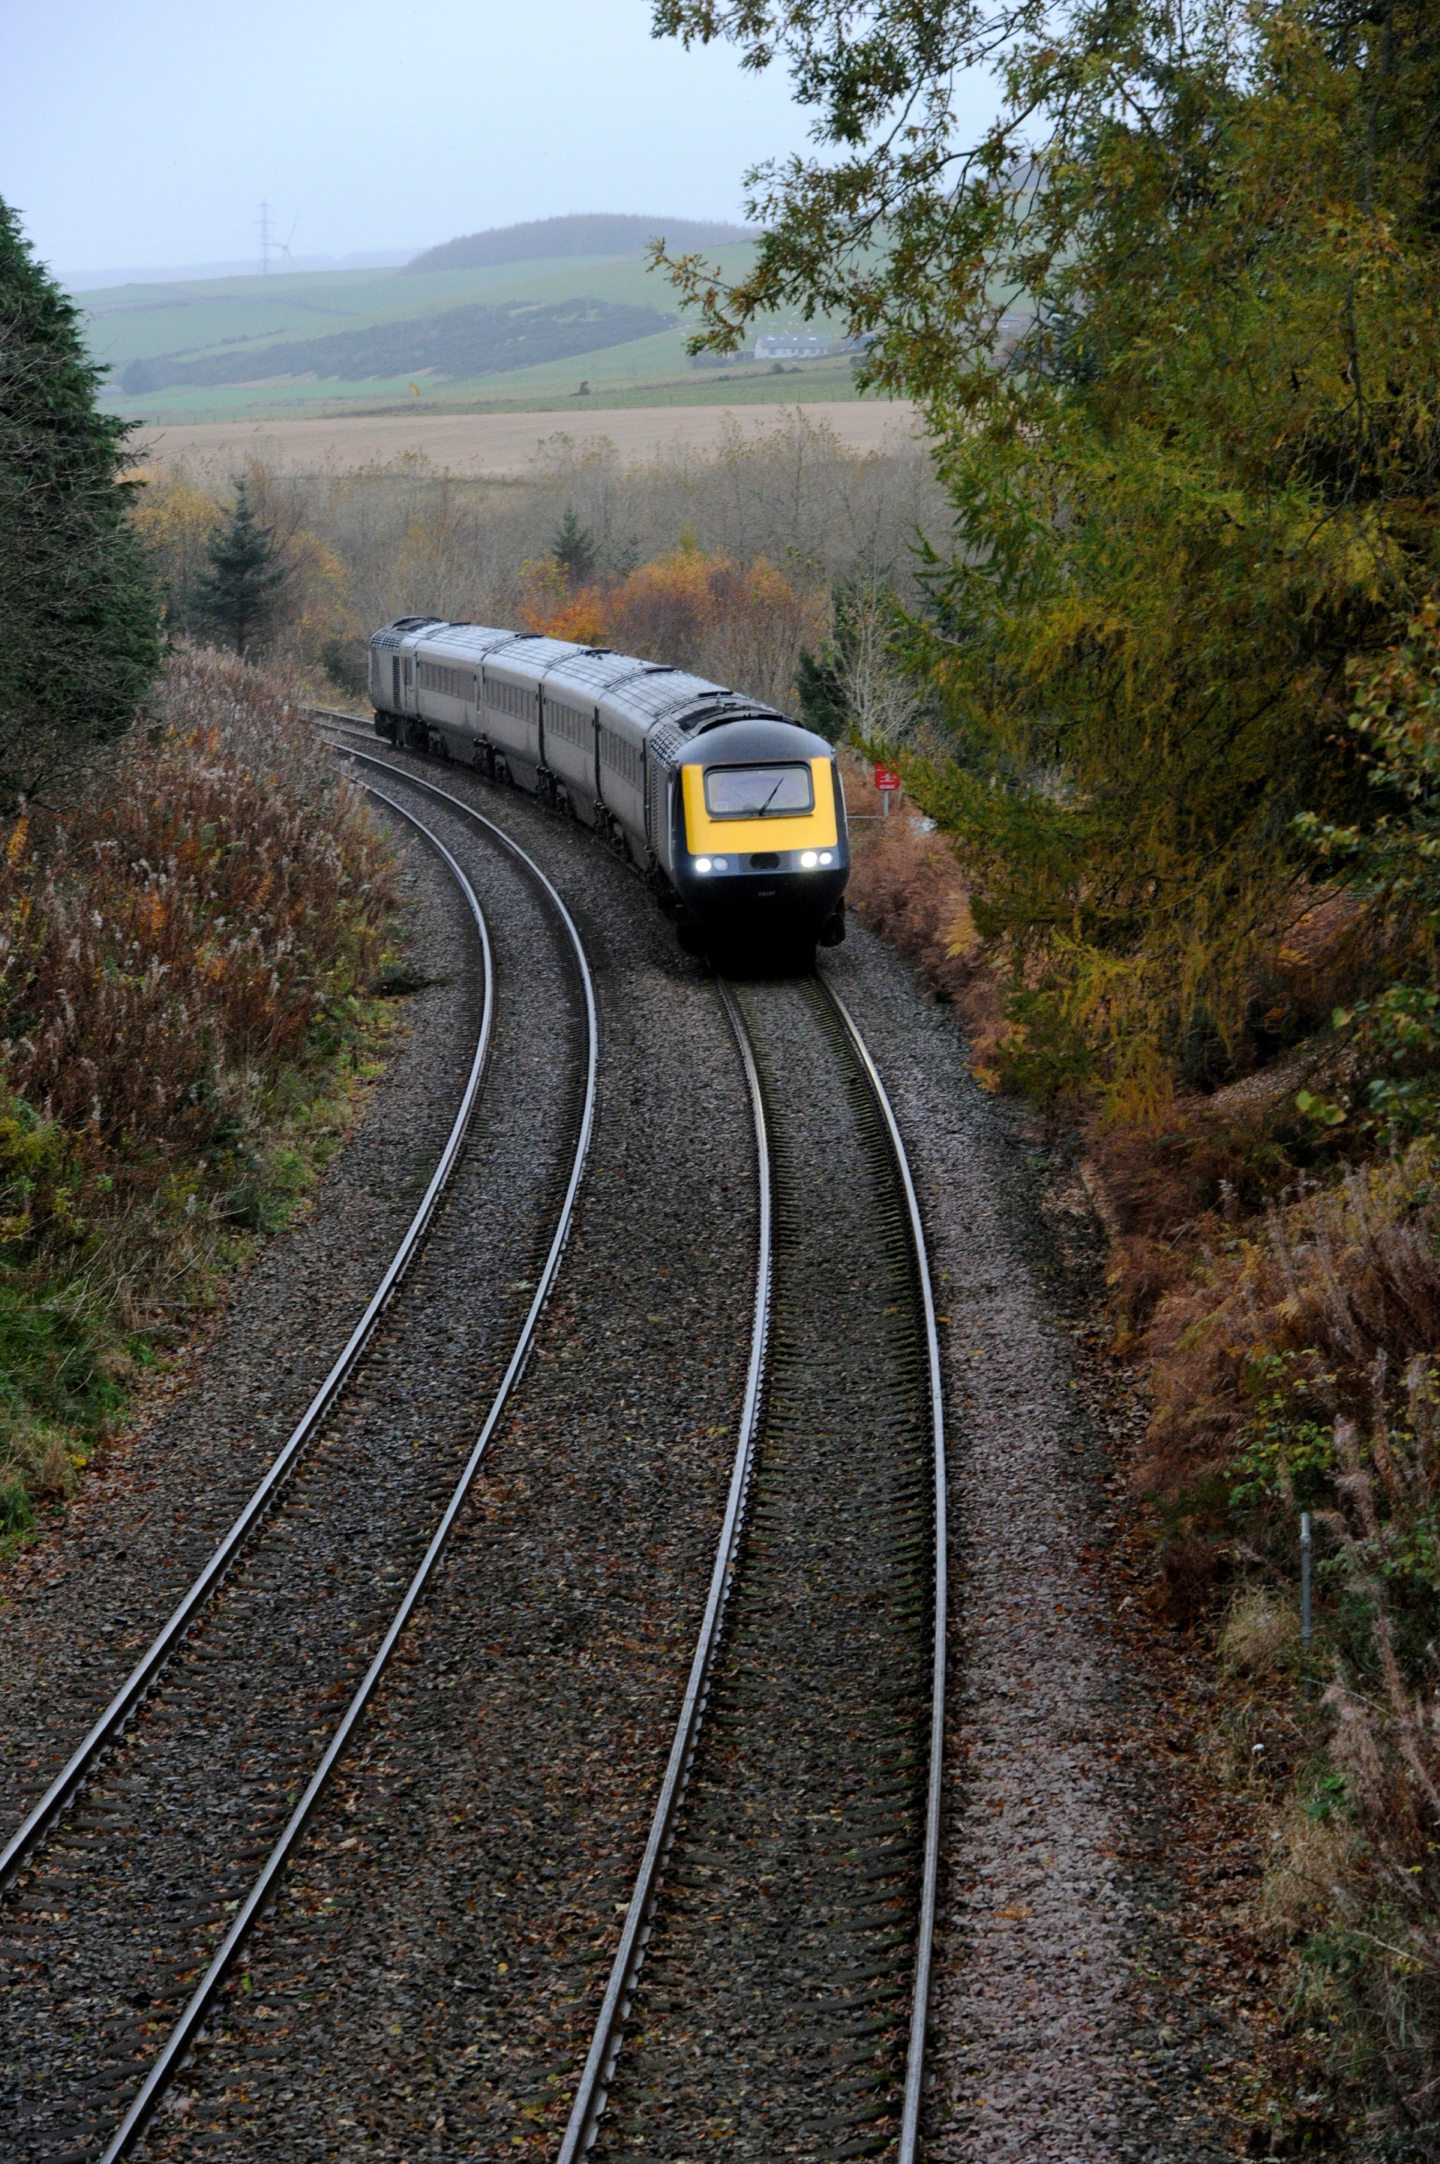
107,1727
182,2037
615,2009
604,2050
935,1779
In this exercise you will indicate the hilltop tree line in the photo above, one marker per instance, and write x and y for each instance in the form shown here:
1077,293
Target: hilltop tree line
476,340
590,233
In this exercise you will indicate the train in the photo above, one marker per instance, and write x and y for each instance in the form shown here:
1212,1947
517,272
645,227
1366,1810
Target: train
732,813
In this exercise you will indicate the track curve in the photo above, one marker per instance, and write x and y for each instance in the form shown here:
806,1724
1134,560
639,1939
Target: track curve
38,1822
46,1908
762,2064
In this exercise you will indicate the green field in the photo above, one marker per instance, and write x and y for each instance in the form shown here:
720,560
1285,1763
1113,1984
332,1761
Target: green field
230,324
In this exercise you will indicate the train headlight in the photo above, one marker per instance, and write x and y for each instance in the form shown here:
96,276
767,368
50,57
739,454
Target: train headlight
808,860
702,864
826,857
721,863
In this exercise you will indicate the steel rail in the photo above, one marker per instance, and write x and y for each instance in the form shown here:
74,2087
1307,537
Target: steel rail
600,2061
619,1993
930,1871
590,2096
181,2039
42,1817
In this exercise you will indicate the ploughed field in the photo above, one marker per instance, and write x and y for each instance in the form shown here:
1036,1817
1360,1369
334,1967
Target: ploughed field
501,446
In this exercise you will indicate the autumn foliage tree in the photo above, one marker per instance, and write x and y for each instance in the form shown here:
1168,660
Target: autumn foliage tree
1393,861
742,625
176,520
1205,482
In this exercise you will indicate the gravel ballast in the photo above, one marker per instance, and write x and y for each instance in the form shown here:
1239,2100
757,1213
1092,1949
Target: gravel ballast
772,2013
1071,2025
428,1981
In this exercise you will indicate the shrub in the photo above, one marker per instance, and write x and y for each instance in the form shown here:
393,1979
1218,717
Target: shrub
906,885
1295,1368
1328,1284
182,958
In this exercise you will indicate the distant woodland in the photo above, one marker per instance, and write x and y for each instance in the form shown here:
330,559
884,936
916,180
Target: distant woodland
472,341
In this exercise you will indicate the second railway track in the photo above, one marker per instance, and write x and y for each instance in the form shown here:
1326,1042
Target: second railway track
115,1934
784,1909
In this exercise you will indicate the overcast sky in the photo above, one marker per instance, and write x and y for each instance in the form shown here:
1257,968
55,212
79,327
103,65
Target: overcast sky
148,134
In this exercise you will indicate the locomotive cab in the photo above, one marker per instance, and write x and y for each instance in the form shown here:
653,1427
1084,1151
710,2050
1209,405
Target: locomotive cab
735,815
760,850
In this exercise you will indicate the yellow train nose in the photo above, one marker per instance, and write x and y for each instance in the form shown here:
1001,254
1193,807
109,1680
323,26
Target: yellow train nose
812,830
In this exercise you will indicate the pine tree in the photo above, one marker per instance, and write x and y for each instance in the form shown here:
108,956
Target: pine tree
820,693
247,574
79,628
573,548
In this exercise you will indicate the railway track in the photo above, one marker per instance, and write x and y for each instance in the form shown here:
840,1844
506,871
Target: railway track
770,1986
445,2008
784,1909
132,1885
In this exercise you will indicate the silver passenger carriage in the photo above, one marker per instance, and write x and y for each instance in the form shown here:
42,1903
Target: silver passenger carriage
606,737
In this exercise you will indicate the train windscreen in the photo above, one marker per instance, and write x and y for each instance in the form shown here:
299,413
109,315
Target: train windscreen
757,792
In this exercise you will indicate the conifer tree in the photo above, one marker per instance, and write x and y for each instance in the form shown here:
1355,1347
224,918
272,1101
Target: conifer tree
573,547
820,693
246,576
79,630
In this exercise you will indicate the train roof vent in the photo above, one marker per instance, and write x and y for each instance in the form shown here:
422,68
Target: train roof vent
665,740
533,652
711,706
597,668
734,709
391,635
662,694
468,638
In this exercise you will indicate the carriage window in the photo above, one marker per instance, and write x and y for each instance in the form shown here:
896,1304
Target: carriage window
757,792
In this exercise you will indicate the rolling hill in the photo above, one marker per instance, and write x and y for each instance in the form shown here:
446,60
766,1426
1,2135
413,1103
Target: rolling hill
591,233
509,332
